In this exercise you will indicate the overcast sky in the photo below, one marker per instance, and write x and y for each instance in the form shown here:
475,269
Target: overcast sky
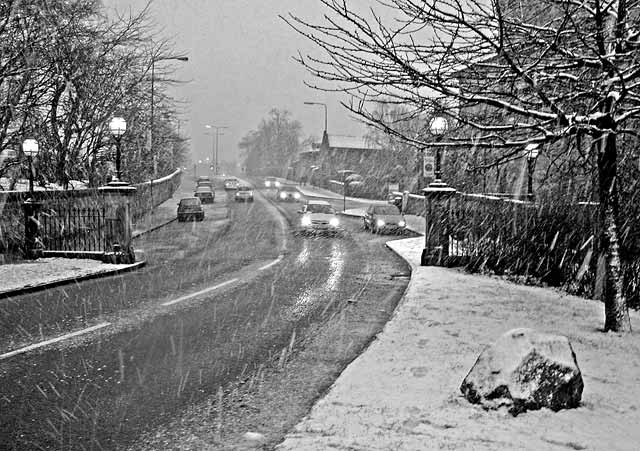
240,66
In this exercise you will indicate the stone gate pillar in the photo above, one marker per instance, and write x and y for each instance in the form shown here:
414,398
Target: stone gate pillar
437,198
117,198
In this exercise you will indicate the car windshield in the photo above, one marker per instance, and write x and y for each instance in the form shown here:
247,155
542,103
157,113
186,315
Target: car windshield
288,188
190,202
314,208
386,210
230,180
244,188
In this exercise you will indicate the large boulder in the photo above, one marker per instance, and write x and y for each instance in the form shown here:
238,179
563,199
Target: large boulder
525,370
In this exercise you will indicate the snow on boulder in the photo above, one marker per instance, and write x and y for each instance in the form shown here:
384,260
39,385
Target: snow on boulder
525,370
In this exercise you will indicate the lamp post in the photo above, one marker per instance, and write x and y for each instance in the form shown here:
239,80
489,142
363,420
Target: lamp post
215,153
153,72
438,127
345,173
30,207
325,114
436,197
532,155
118,127
30,149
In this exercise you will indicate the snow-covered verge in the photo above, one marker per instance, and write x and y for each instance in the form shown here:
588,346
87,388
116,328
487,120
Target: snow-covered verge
46,270
403,392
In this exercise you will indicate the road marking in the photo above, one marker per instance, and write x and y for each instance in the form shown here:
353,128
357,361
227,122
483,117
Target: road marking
53,340
198,293
269,265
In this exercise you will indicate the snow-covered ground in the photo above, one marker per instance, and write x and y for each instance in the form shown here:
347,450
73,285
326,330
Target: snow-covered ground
403,393
46,270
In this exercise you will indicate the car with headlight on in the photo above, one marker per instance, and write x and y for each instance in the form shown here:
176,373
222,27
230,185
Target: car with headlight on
190,208
318,216
384,218
244,194
271,182
288,193
231,183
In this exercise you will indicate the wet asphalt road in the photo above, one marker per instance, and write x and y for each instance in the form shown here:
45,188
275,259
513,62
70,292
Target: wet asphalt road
162,349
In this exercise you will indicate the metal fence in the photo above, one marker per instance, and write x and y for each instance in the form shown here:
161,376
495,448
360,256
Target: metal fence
76,229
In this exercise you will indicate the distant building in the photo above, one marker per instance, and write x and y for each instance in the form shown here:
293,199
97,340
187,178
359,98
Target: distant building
321,161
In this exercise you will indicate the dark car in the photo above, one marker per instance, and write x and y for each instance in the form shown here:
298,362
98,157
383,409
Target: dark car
244,194
204,181
190,209
381,218
205,193
288,193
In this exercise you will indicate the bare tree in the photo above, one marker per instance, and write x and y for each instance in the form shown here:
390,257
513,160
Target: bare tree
514,72
271,147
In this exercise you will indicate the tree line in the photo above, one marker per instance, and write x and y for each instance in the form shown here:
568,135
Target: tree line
66,68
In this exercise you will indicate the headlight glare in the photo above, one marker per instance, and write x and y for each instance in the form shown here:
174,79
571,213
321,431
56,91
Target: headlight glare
380,223
401,223
277,183
297,195
305,221
283,195
333,222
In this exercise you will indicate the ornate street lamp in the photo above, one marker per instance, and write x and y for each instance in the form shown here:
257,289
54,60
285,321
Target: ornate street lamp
30,149
532,151
30,207
438,127
436,196
118,127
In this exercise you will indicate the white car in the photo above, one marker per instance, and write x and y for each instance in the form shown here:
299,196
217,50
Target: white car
231,184
319,216
244,194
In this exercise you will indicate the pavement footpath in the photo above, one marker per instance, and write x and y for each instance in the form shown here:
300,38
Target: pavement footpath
402,392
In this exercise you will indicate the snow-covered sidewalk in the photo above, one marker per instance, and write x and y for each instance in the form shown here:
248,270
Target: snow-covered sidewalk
403,392
44,271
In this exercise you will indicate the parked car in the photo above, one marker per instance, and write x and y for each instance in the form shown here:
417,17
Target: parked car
318,216
244,194
288,193
271,182
231,183
205,193
190,208
381,218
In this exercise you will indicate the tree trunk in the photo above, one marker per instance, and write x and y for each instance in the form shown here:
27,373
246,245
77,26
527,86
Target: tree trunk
613,295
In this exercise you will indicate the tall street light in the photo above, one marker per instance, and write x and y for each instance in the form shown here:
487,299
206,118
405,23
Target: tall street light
118,127
215,153
30,149
532,154
325,113
345,173
153,73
